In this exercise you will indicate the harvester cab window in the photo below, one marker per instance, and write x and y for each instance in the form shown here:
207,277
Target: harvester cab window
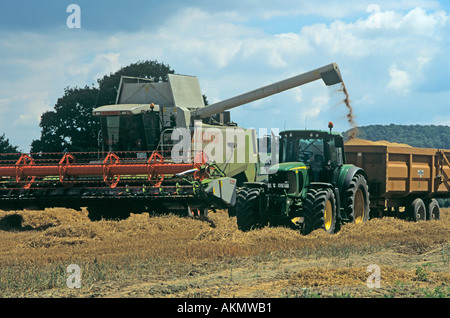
123,133
110,132
152,129
130,134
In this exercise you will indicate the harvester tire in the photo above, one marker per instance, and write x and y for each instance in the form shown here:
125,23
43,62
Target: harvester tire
97,213
433,209
248,212
416,211
357,200
319,211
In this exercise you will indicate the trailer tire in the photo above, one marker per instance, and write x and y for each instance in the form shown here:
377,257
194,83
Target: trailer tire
433,209
357,200
319,211
416,211
248,209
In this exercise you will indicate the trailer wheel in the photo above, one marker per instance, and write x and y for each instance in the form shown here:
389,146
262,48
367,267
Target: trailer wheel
357,200
319,211
433,209
248,214
416,211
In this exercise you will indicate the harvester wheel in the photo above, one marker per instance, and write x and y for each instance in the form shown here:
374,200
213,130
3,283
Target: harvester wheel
416,211
97,213
248,212
319,211
433,210
357,200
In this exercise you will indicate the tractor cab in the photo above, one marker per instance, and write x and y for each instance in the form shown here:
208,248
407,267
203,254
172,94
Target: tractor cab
321,151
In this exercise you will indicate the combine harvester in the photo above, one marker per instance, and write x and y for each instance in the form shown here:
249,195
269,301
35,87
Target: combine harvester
136,170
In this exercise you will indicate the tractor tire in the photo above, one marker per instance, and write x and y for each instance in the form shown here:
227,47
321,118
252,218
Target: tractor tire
319,211
433,209
248,215
357,200
239,192
417,211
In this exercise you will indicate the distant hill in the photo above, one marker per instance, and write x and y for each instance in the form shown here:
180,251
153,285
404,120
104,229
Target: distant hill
422,136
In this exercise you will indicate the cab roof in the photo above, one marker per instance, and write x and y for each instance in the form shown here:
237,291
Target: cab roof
124,109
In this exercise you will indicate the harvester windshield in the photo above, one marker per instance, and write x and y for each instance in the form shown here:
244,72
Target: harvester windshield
122,131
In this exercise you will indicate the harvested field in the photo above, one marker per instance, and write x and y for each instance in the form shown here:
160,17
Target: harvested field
172,256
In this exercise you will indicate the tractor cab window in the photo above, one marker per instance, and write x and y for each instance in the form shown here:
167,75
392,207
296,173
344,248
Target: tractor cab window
311,152
303,150
289,153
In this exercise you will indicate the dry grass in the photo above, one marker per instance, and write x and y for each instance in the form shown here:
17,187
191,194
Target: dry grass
42,243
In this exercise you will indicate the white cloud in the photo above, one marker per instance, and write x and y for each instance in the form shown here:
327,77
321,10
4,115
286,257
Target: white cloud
400,81
230,55
317,107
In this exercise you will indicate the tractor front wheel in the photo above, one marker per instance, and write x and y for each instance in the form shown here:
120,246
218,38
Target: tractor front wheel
249,207
319,211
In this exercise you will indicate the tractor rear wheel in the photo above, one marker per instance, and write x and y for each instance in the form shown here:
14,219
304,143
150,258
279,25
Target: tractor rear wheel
357,200
248,209
319,211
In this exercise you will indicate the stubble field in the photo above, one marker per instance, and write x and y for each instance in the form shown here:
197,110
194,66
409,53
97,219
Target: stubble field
171,256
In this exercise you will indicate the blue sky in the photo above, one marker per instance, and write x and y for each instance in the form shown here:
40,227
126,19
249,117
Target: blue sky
393,56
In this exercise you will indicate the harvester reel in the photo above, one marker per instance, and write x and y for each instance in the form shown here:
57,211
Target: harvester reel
65,161
24,161
154,178
108,177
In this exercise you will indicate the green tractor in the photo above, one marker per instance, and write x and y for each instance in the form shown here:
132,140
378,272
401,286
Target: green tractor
311,187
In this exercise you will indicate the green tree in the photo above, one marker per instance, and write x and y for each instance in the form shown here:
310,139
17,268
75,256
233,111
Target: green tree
71,126
6,147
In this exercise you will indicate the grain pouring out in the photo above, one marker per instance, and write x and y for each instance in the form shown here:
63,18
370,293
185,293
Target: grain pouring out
350,114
